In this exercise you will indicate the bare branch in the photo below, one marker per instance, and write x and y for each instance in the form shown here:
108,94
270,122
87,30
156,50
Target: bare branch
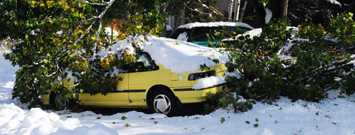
212,9
99,18
95,3
95,49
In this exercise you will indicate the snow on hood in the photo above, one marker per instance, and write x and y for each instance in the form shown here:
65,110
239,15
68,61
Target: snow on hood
214,24
178,56
16,121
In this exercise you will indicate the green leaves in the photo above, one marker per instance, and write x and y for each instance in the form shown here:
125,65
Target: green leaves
57,40
139,17
308,69
343,27
45,33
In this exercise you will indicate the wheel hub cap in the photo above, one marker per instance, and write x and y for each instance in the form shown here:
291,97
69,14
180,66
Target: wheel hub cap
162,104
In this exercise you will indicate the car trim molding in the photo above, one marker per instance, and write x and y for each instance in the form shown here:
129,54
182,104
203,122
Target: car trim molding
121,91
184,89
191,89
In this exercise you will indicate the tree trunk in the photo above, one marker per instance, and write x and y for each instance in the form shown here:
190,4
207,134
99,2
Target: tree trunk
279,8
284,8
180,17
230,10
236,10
260,12
243,11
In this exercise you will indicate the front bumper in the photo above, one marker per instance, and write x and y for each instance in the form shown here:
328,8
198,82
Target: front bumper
196,96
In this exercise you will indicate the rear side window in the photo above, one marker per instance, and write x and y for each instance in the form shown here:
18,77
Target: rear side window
143,63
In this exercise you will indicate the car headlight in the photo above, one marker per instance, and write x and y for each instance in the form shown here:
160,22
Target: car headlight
195,76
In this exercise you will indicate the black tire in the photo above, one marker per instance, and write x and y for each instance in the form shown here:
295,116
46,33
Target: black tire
163,101
57,102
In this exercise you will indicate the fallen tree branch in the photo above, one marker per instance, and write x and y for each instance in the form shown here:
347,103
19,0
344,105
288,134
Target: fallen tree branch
328,69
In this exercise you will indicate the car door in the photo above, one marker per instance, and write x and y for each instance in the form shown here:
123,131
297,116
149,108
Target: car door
143,75
116,98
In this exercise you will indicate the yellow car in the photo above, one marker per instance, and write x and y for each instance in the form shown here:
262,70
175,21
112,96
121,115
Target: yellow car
152,86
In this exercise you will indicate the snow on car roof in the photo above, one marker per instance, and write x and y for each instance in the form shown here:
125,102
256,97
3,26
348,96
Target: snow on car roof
257,32
214,24
178,56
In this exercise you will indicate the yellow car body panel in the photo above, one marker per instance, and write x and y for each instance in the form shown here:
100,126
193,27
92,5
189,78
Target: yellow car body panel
196,96
132,90
115,98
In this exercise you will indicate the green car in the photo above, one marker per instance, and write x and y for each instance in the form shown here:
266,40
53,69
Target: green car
209,33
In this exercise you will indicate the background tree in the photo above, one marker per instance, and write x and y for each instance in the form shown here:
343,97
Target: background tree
297,11
279,8
306,70
195,11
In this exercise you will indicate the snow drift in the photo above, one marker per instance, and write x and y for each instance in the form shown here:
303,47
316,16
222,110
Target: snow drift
16,121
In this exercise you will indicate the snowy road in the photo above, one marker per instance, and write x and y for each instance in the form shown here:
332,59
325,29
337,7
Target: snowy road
332,116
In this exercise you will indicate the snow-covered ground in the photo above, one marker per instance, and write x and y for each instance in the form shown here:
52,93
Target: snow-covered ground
331,116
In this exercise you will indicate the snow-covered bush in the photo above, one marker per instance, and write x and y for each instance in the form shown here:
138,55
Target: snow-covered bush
258,63
301,65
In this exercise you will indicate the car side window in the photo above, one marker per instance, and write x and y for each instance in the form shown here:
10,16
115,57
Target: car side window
143,63
144,59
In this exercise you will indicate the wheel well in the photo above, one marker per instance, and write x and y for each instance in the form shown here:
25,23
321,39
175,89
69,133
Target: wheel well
51,98
159,88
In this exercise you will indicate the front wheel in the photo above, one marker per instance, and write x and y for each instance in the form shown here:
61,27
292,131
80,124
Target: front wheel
59,102
162,102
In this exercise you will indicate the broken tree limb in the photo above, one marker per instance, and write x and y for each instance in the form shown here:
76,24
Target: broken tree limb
328,69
